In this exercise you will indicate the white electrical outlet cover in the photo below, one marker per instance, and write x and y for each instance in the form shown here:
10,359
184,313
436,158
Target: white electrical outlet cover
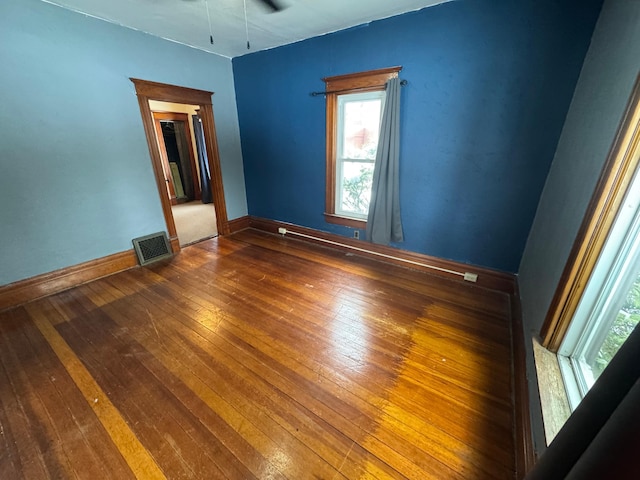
471,277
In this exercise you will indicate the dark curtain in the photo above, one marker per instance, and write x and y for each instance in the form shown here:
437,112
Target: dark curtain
185,159
383,223
602,436
203,161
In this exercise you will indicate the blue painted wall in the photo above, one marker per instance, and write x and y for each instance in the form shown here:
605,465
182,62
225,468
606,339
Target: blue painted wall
489,87
76,181
603,90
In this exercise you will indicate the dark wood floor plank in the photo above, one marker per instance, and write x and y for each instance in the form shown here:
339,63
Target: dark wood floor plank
88,439
22,365
256,356
17,442
137,458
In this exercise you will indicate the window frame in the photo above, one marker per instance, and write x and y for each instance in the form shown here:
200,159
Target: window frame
612,185
613,276
343,99
361,82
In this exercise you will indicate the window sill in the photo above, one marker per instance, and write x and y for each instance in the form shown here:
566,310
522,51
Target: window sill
346,221
553,396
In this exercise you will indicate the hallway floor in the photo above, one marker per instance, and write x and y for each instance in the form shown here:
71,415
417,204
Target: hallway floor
195,221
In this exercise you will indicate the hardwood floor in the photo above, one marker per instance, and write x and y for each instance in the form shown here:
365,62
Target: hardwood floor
255,356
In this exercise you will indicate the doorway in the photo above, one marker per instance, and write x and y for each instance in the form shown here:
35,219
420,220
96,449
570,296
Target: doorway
152,91
179,133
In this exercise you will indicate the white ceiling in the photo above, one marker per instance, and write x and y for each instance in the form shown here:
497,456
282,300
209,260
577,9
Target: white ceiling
185,21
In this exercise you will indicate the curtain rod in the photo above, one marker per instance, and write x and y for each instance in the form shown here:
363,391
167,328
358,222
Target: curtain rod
315,94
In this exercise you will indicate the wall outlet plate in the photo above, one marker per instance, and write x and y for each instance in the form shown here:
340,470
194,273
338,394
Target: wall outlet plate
471,277
356,234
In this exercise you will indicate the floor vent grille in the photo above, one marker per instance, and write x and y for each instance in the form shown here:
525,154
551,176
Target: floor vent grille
152,248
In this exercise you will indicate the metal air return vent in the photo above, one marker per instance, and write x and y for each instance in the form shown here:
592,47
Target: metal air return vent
152,248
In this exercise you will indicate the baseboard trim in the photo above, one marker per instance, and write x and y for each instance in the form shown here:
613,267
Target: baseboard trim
238,224
24,291
523,434
487,278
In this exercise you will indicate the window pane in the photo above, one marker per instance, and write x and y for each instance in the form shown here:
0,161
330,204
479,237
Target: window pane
361,128
622,326
356,187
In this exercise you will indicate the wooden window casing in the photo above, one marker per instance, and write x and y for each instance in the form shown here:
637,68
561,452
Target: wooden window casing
610,191
369,81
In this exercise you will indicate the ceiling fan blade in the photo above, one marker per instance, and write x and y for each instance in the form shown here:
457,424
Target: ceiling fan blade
275,6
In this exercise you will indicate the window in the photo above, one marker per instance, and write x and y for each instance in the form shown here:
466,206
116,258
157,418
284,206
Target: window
610,306
358,129
597,302
354,109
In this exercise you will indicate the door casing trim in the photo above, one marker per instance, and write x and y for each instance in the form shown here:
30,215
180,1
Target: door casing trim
147,90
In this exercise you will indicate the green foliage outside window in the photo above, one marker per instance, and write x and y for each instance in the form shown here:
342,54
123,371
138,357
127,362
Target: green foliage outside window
357,191
627,319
